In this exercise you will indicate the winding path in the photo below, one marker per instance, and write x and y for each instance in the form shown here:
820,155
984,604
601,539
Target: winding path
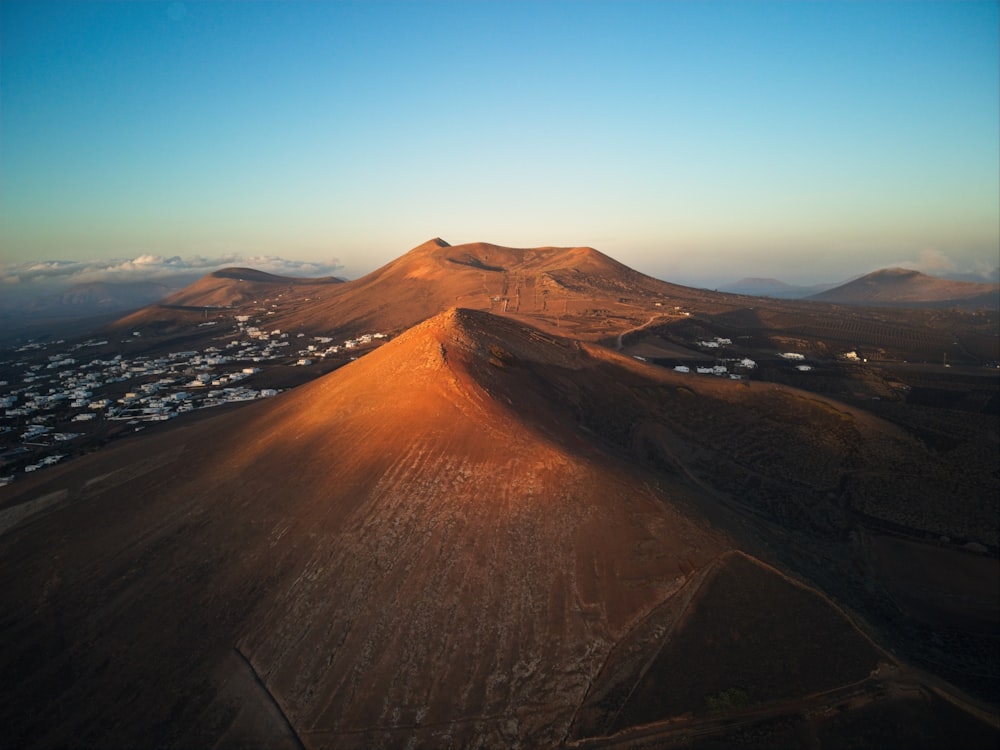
618,342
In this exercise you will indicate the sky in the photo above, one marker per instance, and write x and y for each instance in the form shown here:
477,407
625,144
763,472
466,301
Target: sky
698,142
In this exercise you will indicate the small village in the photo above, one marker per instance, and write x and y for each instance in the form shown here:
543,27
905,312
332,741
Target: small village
723,362
733,368
55,396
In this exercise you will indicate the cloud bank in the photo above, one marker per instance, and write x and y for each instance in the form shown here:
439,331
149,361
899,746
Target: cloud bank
936,262
65,273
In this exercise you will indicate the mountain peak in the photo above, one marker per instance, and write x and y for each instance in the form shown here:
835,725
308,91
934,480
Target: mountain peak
434,243
476,352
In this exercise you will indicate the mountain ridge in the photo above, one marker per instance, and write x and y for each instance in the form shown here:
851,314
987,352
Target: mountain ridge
545,285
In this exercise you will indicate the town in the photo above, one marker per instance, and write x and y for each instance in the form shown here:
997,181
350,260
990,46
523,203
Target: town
59,398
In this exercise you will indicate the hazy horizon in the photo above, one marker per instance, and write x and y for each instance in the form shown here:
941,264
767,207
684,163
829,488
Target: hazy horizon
30,280
695,142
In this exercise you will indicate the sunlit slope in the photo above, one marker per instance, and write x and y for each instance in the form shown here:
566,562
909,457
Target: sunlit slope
485,559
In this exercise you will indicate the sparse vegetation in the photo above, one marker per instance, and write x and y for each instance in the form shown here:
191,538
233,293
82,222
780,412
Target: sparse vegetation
499,357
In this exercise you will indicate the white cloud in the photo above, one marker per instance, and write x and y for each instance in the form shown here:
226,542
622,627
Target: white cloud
936,262
930,260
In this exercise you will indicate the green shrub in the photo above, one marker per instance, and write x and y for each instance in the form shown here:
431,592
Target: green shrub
730,699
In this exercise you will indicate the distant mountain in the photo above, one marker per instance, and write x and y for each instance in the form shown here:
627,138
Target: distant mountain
478,535
89,298
542,283
903,287
228,288
767,287
41,298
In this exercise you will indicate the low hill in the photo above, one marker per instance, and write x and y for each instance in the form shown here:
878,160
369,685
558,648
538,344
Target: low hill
229,287
902,287
439,544
725,637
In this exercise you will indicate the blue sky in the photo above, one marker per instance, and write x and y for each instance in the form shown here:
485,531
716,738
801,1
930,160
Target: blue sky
696,141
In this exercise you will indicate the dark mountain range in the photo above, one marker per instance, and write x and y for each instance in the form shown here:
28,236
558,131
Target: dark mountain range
76,309
484,534
902,287
89,298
